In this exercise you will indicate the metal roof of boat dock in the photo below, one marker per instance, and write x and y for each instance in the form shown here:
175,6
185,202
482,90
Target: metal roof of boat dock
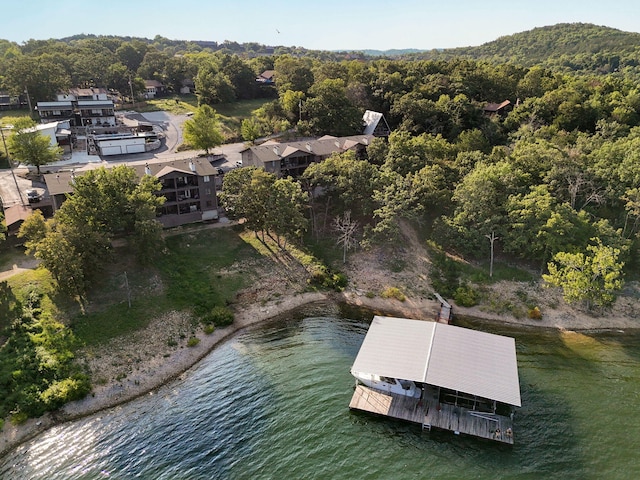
470,361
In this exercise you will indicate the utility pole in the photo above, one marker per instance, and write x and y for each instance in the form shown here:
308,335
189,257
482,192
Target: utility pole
131,87
26,90
6,151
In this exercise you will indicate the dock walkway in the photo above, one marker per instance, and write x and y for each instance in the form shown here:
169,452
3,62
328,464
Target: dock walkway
430,413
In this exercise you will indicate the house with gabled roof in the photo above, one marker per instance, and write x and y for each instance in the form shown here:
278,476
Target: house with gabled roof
375,124
292,158
153,89
498,108
268,77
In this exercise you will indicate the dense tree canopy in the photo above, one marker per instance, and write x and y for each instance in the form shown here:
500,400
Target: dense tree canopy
76,243
268,205
553,169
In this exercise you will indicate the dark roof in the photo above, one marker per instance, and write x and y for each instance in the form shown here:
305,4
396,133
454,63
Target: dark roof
496,107
16,214
322,147
60,182
153,83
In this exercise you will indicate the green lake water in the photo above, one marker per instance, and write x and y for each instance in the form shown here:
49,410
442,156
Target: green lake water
272,402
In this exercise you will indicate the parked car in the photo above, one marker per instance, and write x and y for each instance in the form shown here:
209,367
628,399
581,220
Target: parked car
33,195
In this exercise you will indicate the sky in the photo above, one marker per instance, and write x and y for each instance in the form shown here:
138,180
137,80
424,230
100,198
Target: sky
320,25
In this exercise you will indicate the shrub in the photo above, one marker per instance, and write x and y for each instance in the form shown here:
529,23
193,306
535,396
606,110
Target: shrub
393,292
535,313
19,418
66,391
465,296
321,275
218,316
209,329
193,341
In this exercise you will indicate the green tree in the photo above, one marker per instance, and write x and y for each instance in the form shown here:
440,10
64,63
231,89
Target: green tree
3,228
60,256
270,206
34,229
131,54
30,147
286,217
481,200
540,227
153,66
42,76
293,74
213,86
203,130
76,244
330,112
341,183
593,278
251,129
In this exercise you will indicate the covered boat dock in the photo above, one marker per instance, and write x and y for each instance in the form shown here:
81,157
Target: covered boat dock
467,380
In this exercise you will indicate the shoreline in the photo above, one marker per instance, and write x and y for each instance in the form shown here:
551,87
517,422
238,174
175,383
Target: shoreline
150,376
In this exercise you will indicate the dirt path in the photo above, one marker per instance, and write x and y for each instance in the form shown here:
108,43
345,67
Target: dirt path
28,263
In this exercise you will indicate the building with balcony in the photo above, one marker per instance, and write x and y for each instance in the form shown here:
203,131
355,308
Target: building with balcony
83,107
293,158
189,187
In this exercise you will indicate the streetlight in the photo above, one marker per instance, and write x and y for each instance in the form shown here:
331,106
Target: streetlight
6,151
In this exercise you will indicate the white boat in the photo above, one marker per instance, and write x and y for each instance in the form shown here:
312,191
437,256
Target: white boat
388,384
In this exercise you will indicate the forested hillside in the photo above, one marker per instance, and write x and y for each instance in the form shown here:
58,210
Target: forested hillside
577,47
549,181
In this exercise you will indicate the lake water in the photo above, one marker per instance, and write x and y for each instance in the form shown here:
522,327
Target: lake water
272,402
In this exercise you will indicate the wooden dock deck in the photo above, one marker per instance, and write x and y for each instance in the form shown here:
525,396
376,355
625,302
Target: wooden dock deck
429,413
444,314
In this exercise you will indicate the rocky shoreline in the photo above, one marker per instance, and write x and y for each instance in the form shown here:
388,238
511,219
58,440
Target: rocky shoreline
149,375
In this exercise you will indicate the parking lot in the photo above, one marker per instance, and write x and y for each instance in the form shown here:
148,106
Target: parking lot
14,185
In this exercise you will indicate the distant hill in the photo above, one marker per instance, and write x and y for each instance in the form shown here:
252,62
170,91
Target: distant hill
391,53
565,46
534,46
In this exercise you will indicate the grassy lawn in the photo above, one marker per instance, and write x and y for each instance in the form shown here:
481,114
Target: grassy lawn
176,104
231,114
7,116
194,275
242,109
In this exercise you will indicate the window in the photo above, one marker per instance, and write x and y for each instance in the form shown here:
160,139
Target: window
207,191
206,178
